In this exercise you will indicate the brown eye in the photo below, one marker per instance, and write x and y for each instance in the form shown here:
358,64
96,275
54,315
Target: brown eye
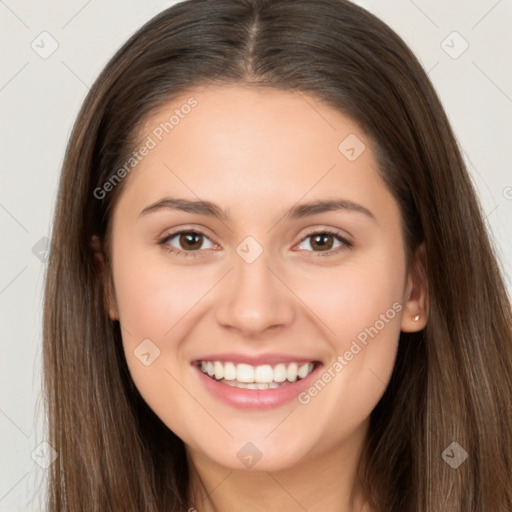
190,240
322,242
186,243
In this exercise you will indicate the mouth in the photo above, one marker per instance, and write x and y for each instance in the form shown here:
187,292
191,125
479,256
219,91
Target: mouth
260,377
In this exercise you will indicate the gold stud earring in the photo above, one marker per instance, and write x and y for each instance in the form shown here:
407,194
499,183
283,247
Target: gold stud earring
416,318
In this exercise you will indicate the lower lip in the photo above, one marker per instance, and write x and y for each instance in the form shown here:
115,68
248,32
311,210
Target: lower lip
256,398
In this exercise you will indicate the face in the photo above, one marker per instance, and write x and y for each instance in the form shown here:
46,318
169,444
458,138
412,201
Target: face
256,241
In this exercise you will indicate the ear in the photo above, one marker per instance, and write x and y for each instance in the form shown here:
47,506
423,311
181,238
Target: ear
99,259
415,300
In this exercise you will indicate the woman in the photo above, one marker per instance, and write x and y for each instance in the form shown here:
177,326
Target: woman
269,277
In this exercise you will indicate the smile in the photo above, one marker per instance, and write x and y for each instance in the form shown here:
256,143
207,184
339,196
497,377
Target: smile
265,376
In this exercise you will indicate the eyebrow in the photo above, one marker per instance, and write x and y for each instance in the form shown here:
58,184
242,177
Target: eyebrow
296,212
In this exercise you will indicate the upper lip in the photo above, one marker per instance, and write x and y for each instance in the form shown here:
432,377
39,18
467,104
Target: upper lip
270,359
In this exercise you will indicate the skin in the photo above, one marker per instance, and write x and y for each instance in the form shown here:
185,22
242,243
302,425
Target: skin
257,153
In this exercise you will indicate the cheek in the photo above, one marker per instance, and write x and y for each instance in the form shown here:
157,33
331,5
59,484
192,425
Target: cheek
360,308
355,296
153,297
155,302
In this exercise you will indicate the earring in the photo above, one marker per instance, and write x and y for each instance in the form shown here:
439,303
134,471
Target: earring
416,318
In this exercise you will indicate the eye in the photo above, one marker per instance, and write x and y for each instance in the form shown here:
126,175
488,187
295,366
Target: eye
191,241
325,240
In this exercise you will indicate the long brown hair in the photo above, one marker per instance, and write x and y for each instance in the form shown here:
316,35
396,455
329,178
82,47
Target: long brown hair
452,381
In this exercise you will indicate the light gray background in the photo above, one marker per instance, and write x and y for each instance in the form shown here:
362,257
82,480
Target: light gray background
40,98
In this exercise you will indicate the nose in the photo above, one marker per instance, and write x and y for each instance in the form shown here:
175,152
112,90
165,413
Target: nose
255,298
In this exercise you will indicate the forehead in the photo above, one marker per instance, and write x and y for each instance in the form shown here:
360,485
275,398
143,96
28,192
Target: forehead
252,146
254,120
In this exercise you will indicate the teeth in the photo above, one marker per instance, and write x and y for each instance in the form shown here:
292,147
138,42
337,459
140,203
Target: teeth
219,371
264,374
255,377
291,373
280,373
303,371
236,384
230,371
244,373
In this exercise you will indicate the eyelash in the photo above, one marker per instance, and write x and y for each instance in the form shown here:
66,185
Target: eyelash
187,254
